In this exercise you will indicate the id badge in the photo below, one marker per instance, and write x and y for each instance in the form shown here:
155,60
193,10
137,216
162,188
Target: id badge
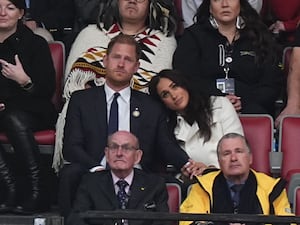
226,85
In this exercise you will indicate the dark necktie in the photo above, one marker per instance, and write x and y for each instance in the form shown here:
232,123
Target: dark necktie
236,196
113,121
122,195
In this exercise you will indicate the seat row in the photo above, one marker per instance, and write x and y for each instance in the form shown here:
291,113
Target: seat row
258,129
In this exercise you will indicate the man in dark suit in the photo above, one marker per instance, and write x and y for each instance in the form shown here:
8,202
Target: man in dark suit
86,128
101,191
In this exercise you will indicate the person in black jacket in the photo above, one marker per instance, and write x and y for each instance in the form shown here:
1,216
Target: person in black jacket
27,83
103,190
229,51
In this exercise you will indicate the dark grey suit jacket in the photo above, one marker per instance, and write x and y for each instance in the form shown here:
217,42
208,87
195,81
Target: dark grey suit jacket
85,134
96,192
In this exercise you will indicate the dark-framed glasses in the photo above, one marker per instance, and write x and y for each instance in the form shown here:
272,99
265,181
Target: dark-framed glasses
139,1
125,148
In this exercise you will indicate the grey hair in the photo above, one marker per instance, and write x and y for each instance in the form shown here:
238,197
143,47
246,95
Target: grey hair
233,135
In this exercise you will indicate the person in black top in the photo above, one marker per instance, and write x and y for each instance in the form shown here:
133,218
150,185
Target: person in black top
229,51
27,83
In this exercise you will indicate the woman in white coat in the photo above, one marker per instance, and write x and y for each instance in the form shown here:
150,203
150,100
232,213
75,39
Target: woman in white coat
197,121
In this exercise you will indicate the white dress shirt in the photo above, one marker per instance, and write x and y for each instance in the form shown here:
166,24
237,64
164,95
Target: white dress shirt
123,103
128,179
124,114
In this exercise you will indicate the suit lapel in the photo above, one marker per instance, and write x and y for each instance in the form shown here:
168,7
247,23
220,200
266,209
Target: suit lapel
138,190
101,112
108,189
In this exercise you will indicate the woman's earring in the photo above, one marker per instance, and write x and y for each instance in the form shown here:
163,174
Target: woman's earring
213,22
240,23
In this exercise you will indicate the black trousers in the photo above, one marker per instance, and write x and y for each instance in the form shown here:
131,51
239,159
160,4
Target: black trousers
19,127
69,180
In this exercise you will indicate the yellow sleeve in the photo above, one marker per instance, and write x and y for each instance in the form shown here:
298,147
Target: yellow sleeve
282,206
197,201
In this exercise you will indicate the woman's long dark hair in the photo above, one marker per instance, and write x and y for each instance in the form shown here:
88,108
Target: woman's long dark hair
264,44
199,107
162,15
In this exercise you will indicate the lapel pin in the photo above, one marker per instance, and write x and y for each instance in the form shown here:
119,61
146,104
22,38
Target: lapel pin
142,189
136,112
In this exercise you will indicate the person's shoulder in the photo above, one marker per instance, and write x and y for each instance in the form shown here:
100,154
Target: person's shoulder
264,177
89,32
157,33
149,177
145,99
196,32
98,175
197,28
269,184
141,94
90,28
207,180
219,102
87,92
28,36
44,33
265,181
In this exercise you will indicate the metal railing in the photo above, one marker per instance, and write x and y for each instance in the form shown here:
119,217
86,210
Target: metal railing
214,217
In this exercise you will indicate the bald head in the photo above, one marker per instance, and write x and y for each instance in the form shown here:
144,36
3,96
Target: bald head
122,153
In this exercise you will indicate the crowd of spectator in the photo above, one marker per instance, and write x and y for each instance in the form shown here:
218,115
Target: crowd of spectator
177,96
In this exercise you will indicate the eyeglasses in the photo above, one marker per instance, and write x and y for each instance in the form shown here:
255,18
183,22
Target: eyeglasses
139,1
125,148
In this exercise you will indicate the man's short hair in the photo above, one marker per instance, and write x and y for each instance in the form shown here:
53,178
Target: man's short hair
232,135
125,39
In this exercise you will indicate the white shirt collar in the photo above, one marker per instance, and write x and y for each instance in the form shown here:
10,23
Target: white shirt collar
128,179
124,93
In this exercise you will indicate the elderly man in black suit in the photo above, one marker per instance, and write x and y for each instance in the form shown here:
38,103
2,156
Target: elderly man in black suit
104,191
87,123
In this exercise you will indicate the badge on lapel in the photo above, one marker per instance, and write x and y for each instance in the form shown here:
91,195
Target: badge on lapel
136,112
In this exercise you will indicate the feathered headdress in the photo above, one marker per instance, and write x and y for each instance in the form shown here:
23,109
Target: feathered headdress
162,15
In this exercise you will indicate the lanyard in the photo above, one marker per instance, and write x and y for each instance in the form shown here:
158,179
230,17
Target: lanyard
225,57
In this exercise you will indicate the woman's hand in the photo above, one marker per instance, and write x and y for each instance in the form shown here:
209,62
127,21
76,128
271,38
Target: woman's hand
14,72
235,101
193,168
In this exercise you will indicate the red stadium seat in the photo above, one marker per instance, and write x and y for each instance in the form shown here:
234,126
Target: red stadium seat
180,27
289,143
174,201
258,130
296,206
286,58
46,138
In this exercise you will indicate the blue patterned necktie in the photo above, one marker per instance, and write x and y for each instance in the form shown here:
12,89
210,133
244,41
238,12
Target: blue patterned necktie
236,196
113,121
122,195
